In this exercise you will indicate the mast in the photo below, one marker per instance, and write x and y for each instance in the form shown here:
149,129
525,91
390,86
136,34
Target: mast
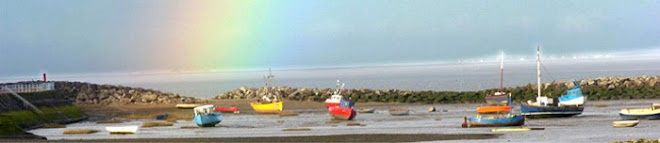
538,69
502,72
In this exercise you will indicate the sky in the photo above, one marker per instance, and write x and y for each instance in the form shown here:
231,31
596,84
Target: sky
82,36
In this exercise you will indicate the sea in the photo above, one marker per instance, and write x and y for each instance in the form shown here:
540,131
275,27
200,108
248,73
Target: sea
439,77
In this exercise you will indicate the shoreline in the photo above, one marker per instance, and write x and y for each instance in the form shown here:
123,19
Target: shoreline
323,138
252,127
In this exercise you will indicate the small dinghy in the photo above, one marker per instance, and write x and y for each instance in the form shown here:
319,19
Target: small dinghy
648,113
628,123
162,116
494,121
122,130
232,109
206,116
366,110
186,106
267,108
493,109
399,112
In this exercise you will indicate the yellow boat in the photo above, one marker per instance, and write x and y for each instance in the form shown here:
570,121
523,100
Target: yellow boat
267,108
186,106
652,113
629,123
510,129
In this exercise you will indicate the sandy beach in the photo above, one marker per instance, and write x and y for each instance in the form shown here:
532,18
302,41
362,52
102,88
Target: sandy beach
594,125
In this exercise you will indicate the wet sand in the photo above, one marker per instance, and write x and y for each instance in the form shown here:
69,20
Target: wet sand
593,126
330,138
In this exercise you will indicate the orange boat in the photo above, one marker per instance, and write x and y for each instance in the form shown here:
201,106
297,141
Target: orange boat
493,109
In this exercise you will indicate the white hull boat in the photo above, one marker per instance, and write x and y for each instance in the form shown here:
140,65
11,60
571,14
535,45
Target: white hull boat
122,130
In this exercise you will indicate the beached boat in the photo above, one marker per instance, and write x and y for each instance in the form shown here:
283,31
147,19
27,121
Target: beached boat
122,130
652,113
342,113
493,109
366,110
162,116
206,116
629,123
344,110
499,102
336,99
499,98
545,107
232,109
267,108
399,112
510,129
494,121
186,106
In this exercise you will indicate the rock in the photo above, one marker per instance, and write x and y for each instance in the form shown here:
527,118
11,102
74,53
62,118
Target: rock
611,86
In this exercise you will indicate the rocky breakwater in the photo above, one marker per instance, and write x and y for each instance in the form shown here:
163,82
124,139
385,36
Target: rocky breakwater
88,93
603,88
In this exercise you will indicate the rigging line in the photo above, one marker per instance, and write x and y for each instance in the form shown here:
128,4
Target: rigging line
548,73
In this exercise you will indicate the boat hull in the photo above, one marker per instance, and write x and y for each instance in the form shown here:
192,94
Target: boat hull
267,108
619,124
342,113
550,111
493,109
208,120
226,109
515,120
186,106
331,104
633,114
122,130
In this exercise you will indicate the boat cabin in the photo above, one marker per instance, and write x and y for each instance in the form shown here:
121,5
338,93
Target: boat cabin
336,97
204,110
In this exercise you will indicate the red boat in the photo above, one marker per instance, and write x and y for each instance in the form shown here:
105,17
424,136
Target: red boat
342,113
227,109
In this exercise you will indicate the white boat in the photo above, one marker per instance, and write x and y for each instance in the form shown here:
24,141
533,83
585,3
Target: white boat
122,130
628,123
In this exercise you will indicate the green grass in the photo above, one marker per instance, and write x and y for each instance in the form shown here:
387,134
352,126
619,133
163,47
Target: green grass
10,120
156,124
8,126
79,131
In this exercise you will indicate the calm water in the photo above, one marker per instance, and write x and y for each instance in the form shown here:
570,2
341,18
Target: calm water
455,77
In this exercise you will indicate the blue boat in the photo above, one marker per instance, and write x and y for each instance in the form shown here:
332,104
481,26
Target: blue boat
495,121
206,116
570,104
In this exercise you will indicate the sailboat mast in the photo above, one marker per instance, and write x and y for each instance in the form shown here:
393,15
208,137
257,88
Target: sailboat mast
538,69
502,72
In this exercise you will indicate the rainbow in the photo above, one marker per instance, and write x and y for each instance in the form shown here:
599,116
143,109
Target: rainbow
222,34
